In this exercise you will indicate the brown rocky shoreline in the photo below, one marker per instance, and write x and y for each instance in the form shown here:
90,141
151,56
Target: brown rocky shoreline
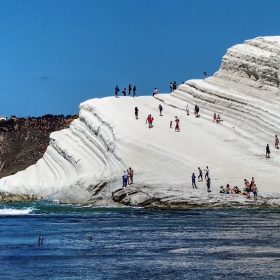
23,141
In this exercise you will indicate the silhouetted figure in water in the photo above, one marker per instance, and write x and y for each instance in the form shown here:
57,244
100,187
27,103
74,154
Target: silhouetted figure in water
40,241
90,238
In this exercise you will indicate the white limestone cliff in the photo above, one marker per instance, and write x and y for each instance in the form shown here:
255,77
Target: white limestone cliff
84,164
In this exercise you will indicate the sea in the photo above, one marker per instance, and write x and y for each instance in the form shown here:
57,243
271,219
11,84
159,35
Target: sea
136,243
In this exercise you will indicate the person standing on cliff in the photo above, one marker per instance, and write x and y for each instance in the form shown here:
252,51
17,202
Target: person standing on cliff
171,86
160,109
267,150
129,89
150,121
131,171
134,91
204,75
155,92
177,128
200,174
136,113
276,142
193,181
116,91
174,85
188,109
208,183
206,172
124,177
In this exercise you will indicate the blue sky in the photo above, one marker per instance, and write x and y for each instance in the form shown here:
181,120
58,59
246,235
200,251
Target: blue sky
55,54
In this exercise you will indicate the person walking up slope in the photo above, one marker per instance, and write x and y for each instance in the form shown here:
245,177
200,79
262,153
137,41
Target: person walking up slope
193,181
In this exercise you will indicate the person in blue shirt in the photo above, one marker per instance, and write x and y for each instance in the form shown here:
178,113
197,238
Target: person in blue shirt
193,181
116,91
124,177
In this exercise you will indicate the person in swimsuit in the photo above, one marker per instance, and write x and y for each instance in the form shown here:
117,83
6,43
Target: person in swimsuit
177,124
276,142
255,192
214,117
134,91
131,171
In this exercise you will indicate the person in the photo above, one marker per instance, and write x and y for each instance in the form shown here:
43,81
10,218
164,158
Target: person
252,182
124,92
187,109
193,181
116,91
131,175
267,151
196,111
255,192
247,188
124,177
206,172
208,183
134,91
276,142
128,177
136,113
222,189
150,121
174,85
229,190
155,91
171,86
204,75
170,124
218,120
129,89
214,117
160,109
177,124
200,174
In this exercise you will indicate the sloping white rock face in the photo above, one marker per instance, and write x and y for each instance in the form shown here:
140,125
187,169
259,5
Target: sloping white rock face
84,164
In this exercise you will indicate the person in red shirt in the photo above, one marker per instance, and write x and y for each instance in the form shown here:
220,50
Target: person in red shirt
150,121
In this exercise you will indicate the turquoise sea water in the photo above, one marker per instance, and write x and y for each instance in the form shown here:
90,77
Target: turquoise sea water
131,243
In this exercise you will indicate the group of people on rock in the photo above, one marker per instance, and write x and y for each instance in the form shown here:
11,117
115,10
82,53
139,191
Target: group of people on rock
216,118
248,188
172,86
127,177
200,178
117,89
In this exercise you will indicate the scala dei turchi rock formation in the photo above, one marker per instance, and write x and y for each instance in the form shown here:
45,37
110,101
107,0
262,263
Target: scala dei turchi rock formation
84,164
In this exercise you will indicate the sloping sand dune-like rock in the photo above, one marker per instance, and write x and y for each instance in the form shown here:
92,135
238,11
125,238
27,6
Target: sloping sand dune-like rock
84,164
